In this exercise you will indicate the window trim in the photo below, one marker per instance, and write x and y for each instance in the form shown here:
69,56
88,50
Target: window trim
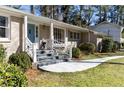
58,33
74,36
8,27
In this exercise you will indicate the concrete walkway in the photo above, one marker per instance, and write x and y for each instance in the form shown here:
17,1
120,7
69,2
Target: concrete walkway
75,66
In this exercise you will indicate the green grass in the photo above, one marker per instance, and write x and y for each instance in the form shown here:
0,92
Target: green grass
117,60
101,55
104,75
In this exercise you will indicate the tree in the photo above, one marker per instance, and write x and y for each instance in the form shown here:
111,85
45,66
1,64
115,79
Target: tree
120,15
102,13
88,14
65,9
32,9
49,11
80,15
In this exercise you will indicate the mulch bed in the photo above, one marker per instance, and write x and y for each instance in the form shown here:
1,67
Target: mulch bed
32,73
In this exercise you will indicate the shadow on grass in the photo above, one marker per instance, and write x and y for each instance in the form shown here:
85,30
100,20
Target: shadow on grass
119,63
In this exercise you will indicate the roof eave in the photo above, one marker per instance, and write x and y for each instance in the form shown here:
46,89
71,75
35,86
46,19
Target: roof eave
40,18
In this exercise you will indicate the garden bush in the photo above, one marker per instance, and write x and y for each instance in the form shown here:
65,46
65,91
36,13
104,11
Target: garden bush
87,47
11,75
2,53
21,59
75,52
116,46
122,45
107,45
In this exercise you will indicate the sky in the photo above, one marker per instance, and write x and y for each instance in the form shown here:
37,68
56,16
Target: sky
26,8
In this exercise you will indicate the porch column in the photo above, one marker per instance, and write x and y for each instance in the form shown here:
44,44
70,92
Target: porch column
70,52
34,53
65,36
51,35
25,32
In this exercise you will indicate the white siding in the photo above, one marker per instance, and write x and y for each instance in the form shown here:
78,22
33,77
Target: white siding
15,43
111,29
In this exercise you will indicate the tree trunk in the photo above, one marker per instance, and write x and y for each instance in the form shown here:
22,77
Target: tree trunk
32,9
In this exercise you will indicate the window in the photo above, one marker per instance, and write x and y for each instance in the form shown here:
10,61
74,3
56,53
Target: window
71,35
36,31
58,34
78,36
4,27
74,36
2,32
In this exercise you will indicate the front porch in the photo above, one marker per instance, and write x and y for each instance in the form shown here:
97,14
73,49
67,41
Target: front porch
54,36
59,38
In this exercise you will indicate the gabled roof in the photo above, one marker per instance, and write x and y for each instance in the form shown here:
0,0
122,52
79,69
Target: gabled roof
20,13
105,22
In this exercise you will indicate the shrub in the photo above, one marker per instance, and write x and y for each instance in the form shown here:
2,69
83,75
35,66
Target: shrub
75,52
122,44
99,47
107,45
11,75
116,46
87,47
21,59
2,53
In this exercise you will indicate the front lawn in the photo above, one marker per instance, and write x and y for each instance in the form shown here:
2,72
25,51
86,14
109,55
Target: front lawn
106,74
117,60
101,55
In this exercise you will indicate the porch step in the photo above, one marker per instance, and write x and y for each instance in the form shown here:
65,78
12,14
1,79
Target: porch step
44,51
44,55
48,62
45,59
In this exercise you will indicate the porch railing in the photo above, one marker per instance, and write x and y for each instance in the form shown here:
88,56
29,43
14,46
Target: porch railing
56,43
59,41
29,47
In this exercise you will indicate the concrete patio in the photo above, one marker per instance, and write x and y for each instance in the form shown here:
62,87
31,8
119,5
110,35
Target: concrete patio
74,66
